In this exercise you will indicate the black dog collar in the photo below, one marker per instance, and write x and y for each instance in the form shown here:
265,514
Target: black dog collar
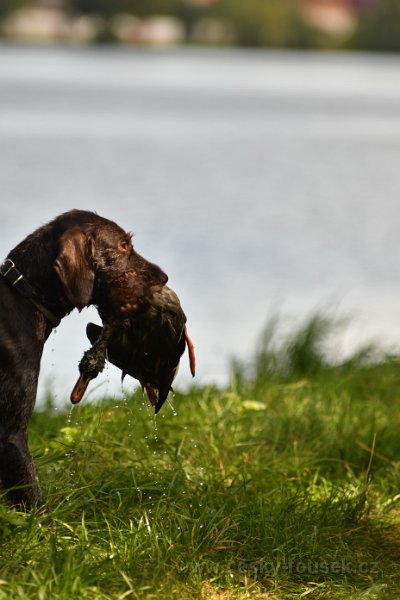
10,272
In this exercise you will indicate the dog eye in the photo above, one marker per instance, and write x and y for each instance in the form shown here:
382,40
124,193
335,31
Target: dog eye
124,246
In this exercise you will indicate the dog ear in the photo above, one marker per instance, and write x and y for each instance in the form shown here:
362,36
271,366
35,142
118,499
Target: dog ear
74,268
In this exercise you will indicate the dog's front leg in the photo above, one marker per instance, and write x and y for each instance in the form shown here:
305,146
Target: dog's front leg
17,471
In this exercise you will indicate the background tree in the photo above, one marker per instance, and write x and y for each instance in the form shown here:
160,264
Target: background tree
379,27
8,6
276,23
140,8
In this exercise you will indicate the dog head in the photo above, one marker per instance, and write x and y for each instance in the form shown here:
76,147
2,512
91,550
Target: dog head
97,264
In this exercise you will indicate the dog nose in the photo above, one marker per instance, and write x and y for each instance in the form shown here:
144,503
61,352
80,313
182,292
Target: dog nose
164,277
150,273
158,275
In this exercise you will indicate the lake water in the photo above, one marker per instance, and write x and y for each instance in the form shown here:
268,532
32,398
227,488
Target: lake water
259,181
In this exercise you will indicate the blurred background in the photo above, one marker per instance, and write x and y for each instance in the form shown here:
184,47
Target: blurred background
252,146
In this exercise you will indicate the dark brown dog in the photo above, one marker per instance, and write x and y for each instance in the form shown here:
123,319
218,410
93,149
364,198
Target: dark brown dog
69,263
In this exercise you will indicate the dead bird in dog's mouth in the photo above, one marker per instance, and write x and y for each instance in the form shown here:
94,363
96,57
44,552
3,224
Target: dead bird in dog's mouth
146,345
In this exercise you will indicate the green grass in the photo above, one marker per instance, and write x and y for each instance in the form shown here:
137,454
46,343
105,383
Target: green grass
284,485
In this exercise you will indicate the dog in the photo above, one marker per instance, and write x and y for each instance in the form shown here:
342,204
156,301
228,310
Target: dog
71,262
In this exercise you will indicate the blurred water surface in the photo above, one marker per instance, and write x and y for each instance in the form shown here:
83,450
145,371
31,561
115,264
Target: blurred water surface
258,180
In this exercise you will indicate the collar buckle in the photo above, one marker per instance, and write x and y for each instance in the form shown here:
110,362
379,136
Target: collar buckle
10,272
7,268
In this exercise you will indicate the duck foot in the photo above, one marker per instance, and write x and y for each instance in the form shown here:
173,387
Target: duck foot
192,356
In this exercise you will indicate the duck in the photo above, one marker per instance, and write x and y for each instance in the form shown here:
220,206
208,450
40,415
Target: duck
147,345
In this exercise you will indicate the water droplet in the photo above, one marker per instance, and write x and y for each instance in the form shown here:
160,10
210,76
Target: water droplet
172,407
69,417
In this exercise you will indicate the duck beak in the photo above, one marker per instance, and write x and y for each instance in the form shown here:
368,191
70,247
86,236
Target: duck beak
80,388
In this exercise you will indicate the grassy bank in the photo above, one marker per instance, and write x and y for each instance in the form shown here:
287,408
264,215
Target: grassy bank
285,485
